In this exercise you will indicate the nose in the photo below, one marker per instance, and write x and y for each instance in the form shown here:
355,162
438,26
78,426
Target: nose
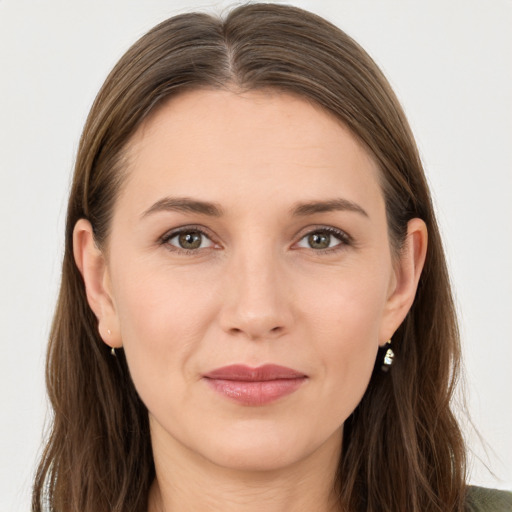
256,301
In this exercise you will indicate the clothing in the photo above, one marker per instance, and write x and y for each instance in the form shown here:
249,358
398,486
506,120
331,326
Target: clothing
480,499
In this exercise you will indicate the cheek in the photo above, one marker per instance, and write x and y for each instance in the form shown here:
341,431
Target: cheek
162,321
154,301
347,308
344,321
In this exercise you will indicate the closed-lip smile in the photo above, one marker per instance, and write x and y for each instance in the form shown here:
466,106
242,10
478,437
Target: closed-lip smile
255,386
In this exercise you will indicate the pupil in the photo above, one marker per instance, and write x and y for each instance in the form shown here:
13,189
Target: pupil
190,240
319,240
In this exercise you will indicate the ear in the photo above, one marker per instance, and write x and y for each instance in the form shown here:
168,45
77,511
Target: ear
92,264
405,279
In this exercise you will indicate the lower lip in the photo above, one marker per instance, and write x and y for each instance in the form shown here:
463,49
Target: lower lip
255,392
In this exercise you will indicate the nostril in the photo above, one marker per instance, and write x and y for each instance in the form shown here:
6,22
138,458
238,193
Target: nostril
256,333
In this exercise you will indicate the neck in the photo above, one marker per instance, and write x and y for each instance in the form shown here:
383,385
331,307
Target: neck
186,482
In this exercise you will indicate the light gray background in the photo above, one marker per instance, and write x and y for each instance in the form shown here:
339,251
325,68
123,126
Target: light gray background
451,65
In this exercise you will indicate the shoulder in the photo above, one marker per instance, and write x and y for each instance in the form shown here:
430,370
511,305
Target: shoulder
481,499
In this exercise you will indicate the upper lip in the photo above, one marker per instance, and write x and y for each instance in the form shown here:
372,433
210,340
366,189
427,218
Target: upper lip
240,372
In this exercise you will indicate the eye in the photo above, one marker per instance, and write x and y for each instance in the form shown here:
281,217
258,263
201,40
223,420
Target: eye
188,240
322,239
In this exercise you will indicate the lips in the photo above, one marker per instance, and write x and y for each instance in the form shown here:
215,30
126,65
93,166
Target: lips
255,386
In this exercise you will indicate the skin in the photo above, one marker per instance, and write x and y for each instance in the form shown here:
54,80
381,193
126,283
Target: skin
255,292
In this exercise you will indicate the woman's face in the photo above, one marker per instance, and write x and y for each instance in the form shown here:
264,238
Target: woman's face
250,231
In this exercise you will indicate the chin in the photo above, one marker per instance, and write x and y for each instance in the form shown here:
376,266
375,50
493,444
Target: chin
254,458
260,449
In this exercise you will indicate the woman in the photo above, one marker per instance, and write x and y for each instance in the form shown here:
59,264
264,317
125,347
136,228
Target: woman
248,228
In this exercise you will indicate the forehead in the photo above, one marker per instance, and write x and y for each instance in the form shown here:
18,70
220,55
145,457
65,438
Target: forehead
223,145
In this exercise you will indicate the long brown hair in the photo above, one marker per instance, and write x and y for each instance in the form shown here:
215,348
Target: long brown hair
402,448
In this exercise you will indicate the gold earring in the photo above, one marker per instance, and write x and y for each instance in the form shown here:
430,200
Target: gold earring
389,356
113,352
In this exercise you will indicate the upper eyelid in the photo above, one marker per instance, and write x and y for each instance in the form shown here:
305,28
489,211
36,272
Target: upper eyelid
164,240
345,241
340,233
171,233
330,229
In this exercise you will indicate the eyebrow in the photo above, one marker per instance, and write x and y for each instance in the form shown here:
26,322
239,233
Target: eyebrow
337,204
184,204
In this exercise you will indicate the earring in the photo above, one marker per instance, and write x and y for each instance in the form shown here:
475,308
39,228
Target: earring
389,356
112,350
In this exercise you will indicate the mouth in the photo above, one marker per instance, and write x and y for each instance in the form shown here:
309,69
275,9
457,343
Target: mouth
255,386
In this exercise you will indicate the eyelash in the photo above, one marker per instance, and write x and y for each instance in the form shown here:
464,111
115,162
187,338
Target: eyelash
164,240
343,237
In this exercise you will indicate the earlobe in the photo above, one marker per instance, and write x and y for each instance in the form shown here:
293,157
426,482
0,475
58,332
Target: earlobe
91,263
406,278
